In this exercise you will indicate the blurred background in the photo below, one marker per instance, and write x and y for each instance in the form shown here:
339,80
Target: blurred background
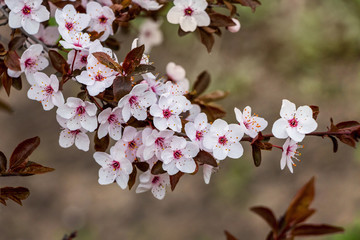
304,51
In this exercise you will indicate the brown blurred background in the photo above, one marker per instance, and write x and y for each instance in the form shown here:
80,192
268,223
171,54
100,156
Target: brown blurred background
304,51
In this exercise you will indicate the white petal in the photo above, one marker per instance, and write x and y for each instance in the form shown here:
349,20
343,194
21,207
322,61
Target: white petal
279,128
106,176
66,138
89,123
188,24
294,134
41,14
220,153
15,19
122,180
307,126
186,165
159,192
31,26
175,14
82,141
235,150
288,109
202,18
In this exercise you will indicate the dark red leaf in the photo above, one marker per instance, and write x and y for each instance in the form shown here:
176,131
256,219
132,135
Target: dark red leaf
12,61
348,140
132,178
266,214
181,32
213,111
32,168
206,158
174,180
72,236
301,202
101,144
142,166
213,96
202,83
207,39
112,43
16,43
133,59
106,60
59,62
157,168
16,194
6,82
220,20
335,143
95,35
250,3
347,124
315,229
256,154
122,86
316,111
229,236
17,83
143,68
3,162
21,153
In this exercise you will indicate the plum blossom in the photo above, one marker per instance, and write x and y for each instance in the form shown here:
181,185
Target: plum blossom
250,125
289,153
77,41
157,184
236,27
101,19
48,35
46,91
223,140
79,114
197,130
70,21
294,123
136,102
179,156
177,75
114,167
27,14
166,112
208,171
150,5
193,112
110,123
154,142
80,58
31,61
150,34
157,86
69,137
189,14
130,142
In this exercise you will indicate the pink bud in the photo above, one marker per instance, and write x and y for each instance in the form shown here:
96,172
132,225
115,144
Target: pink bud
234,28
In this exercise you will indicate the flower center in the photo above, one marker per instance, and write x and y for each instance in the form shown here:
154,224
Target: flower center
80,110
99,77
177,154
115,165
132,144
83,59
29,63
188,11
167,113
155,180
199,135
147,34
223,140
26,10
133,100
49,90
103,19
160,141
69,26
78,44
75,132
293,122
112,118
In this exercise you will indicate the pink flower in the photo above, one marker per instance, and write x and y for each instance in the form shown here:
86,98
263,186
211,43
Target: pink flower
110,123
101,19
236,27
48,35
197,130
294,123
130,142
150,5
154,143
70,21
289,153
27,14
251,125
80,60
157,184
46,91
189,14
150,34
78,41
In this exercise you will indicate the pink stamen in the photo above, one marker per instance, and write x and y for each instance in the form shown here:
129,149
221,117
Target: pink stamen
199,135
155,180
49,90
103,19
160,142
115,165
80,110
112,119
177,154
29,63
132,144
188,11
26,10
167,113
69,26
133,100
223,140
293,122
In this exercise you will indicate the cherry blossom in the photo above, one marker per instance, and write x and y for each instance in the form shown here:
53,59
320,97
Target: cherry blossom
136,102
208,171
80,60
166,112
27,14
70,21
250,125
69,137
193,112
79,114
197,130
101,19
177,75
179,157
114,167
110,123
150,34
223,140
48,35
78,41
130,142
189,14
294,123
157,184
31,61
157,86
150,5
154,142
289,153
236,27
46,91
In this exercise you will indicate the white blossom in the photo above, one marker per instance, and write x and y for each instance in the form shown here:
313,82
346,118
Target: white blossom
289,153
236,27
80,60
69,137
130,142
176,74
208,171
150,5
157,184
102,18
197,130
70,21
251,125
150,34
223,140
110,123
78,41
27,14
294,123
48,35
189,14
46,91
